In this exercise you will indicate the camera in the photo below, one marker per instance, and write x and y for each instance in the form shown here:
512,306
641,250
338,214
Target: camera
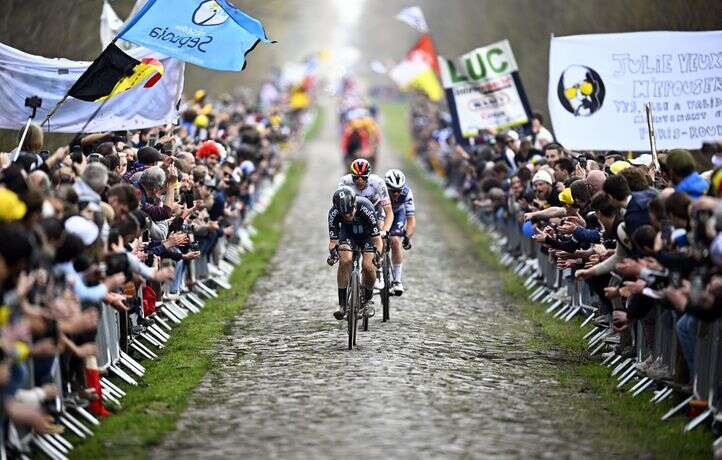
34,102
187,197
76,154
192,243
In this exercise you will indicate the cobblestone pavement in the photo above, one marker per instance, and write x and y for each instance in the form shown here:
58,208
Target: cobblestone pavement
445,378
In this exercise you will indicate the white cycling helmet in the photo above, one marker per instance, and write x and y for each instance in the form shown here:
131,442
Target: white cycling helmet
395,179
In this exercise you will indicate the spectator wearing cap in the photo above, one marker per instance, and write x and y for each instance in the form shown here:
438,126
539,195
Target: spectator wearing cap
544,190
147,158
683,173
618,166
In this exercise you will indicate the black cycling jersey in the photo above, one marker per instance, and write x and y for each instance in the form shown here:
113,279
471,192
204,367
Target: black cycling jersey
364,224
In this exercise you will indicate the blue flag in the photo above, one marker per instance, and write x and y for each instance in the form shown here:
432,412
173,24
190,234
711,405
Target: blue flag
207,33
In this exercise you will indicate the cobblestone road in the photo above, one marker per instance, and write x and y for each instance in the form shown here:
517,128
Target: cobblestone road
446,378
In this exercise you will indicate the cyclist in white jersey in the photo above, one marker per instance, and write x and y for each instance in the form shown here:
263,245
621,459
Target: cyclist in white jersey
373,188
404,225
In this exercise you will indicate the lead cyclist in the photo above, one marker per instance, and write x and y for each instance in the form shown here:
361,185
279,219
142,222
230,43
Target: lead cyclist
373,188
403,226
352,223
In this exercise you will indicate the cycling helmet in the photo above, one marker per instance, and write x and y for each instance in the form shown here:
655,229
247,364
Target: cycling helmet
344,200
360,167
395,179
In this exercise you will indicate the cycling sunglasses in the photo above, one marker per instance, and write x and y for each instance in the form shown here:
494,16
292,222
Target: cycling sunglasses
364,177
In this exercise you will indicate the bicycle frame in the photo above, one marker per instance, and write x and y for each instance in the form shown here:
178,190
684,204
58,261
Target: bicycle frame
353,301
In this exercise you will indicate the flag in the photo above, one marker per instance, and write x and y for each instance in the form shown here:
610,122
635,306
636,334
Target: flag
23,74
207,33
110,25
103,74
418,70
416,74
414,17
424,51
150,70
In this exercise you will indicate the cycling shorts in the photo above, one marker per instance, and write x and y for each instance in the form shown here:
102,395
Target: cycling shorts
398,227
363,243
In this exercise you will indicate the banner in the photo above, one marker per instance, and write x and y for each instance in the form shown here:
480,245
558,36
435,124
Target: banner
599,84
23,75
484,90
207,33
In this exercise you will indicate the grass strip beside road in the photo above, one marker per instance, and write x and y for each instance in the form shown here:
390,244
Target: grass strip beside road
627,427
151,410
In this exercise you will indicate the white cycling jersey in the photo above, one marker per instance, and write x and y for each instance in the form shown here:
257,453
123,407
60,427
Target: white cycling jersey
375,190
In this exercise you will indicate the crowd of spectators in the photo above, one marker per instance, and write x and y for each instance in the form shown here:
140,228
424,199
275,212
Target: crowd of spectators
643,237
116,219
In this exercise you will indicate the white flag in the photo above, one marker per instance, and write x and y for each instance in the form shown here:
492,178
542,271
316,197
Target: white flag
110,24
414,17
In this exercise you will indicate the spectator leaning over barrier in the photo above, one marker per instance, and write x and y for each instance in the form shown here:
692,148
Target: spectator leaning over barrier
101,229
645,242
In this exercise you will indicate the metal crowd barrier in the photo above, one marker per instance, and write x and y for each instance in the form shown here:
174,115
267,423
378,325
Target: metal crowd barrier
653,340
115,340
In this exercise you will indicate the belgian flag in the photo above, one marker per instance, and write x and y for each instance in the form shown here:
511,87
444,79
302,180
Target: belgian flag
114,72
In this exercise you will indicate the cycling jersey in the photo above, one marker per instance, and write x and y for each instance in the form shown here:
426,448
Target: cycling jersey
403,206
404,201
360,229
375,190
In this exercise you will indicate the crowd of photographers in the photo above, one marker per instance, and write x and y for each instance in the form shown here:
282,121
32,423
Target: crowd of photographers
598,216
116,219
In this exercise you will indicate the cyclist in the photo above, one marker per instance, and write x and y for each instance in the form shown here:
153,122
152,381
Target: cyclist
403,226
373,188
352,222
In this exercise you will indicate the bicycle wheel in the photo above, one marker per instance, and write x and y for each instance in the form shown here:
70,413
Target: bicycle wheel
352,308
386,291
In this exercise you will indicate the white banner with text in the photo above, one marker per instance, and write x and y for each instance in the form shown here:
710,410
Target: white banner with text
599,85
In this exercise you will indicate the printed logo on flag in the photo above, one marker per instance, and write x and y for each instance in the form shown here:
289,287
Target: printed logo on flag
209,13
209,33
581,90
